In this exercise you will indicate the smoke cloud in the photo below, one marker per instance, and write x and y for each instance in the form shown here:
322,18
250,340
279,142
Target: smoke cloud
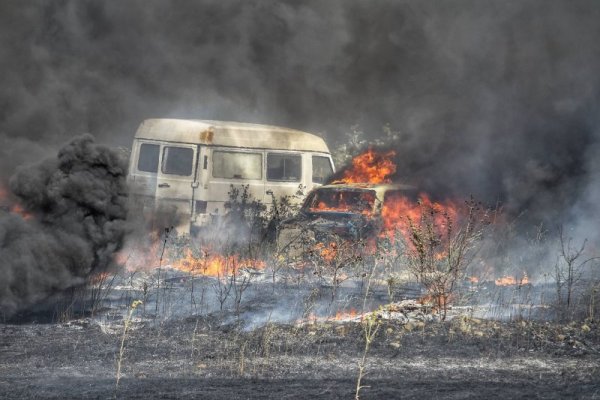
76,211
495,99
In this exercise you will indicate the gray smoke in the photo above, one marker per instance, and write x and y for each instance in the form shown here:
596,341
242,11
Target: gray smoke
499,99
77,208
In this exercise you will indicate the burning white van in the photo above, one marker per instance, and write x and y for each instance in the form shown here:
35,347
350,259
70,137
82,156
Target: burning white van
189,166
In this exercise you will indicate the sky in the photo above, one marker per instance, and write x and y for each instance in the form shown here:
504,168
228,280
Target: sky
495,99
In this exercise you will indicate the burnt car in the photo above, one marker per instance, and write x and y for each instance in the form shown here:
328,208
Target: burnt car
348,211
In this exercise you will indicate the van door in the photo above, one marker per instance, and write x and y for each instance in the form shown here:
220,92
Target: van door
143,168
284,175
175,183
235,167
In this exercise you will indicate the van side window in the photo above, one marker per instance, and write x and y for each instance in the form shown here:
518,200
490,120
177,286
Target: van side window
321,167
234,165
284,167
177,161
148,159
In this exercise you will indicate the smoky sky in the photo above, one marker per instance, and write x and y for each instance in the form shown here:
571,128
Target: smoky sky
498,99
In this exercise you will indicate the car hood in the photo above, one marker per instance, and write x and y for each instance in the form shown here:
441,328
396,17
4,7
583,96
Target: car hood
340,223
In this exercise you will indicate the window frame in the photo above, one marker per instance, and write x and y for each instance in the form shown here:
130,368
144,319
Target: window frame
312,161
231,151
296,155
139,153
165,147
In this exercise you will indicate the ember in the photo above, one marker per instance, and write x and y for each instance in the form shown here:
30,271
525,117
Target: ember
329,252
340,316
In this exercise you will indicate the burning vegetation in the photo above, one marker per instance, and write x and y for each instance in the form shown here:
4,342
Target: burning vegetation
374,263
360,228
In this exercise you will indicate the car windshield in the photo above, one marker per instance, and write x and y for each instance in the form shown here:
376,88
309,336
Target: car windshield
341,200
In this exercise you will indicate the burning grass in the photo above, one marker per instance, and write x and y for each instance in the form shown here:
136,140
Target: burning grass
229,311
440,244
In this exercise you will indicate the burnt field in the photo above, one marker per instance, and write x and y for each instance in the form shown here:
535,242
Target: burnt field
204,358
300,350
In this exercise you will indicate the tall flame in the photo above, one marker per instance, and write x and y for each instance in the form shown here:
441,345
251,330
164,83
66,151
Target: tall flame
370,167
399,212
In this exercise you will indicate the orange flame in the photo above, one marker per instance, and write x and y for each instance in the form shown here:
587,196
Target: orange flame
215,265
512,281
207,263
399,212
143,256
370,167
346,315
349,315
437,302
340,201
328,253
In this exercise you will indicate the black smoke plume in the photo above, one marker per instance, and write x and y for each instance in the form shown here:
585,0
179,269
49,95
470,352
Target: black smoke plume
499,99
76,207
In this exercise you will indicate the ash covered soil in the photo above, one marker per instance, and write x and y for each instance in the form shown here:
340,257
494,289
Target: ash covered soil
204,358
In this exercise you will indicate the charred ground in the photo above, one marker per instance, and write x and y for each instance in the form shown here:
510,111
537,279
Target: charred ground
201,357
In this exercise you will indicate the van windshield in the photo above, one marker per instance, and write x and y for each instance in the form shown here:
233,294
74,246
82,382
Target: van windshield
341,200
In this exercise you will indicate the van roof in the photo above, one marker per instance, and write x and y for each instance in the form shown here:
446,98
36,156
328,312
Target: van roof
233,134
